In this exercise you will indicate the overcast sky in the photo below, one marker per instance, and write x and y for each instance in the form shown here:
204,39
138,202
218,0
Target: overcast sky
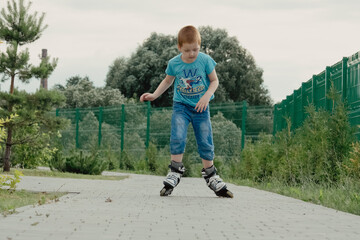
290,39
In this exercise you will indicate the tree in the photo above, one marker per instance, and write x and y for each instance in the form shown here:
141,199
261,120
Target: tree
145,69
81,93
33,122
19,27
240,78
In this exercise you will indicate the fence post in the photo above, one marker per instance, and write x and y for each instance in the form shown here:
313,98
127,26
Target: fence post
327,87
294,119
344,78
77,116
100,123
148,124
243,125
314,90
122,127
302,102
275,113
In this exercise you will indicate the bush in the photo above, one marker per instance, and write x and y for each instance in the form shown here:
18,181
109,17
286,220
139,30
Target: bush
111,157
258,159
315,152
127,161
352,165
79,163
151,155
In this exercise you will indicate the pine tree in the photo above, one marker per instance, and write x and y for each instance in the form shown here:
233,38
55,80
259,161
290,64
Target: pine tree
19,27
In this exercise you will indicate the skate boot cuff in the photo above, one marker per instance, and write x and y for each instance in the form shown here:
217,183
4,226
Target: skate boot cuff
177,167
208,172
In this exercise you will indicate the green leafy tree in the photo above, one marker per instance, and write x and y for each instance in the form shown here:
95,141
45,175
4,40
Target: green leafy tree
145,69
81,93
32,125
240,78
19,27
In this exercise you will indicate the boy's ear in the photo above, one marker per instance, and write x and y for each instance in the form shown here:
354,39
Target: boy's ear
179,47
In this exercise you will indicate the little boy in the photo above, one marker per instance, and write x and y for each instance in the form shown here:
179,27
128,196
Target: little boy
195,83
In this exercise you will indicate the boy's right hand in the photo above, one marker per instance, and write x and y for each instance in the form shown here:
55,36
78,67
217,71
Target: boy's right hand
147,97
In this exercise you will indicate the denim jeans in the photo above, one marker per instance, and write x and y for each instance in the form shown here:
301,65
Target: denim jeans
184,114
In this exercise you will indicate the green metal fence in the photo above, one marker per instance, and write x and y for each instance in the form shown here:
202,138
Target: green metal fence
132,127
345,76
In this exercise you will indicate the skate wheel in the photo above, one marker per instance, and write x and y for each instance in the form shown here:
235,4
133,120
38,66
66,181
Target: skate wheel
166,191
229,194
225,193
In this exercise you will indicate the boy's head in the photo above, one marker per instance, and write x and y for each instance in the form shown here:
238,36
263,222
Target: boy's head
188,34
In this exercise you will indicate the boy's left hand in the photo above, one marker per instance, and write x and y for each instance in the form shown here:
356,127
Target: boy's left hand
203,103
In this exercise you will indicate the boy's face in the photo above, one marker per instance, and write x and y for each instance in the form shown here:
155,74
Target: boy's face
189,51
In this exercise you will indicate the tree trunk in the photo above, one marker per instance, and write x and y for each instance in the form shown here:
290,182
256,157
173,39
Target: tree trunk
8,150
12,84
8,143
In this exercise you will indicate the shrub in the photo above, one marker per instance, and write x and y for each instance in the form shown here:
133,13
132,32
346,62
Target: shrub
10,181
257,159
352,165
111,157
314,152
151,155
127,161
79,163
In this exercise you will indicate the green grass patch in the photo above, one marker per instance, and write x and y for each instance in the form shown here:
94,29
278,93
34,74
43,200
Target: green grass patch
343,197
10,200
45,173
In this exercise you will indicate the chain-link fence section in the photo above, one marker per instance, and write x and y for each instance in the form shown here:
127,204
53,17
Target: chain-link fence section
131,128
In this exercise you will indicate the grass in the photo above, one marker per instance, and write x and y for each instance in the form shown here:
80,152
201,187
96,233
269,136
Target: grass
342,197
10,199
45,173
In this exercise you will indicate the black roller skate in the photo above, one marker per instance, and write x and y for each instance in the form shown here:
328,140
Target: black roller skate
215,183
172,179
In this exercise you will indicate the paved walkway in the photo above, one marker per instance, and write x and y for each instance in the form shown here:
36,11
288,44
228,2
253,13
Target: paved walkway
132,209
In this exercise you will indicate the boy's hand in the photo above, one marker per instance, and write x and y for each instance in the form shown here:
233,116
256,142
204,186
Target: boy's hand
203,103
147,97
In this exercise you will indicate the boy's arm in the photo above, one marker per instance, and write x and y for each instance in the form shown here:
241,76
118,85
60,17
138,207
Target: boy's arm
163,86
204,100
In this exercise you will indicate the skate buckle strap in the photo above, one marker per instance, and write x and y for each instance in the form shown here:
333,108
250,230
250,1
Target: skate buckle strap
177,167
216,183
173,178
179,170
209,172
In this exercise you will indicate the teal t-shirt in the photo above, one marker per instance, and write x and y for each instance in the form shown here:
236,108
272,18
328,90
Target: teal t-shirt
191,79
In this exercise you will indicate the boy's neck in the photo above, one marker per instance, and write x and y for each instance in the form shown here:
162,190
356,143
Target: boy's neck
181,56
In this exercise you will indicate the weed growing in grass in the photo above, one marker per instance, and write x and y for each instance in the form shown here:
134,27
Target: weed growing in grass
11,181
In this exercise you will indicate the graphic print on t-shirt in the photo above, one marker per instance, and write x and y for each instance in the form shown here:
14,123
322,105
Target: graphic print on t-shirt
190,84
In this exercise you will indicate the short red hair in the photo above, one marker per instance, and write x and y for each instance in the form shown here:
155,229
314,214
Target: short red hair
188,34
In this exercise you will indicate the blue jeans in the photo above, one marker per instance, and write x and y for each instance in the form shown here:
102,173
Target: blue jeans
184,114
